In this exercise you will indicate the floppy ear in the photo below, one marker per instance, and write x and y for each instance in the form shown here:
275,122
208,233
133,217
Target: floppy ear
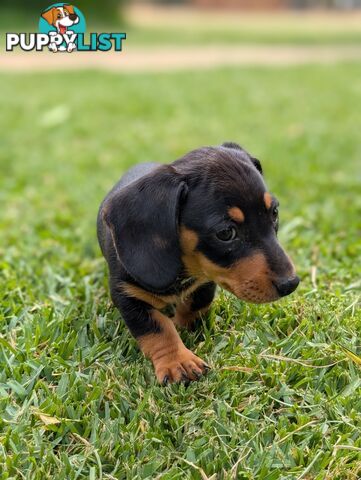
143,220
69,8
235,146
49,16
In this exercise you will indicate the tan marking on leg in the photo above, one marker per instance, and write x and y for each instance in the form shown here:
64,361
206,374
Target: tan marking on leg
172,361
236,214
184,316
267,198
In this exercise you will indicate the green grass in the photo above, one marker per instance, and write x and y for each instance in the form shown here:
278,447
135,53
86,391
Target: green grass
77,398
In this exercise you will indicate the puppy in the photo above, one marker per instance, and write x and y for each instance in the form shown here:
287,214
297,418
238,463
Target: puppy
61,18
170,233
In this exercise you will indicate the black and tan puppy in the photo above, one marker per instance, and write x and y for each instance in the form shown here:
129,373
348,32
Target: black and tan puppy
170,233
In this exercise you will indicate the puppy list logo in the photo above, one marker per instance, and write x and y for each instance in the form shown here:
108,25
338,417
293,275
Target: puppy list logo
62,28
62,23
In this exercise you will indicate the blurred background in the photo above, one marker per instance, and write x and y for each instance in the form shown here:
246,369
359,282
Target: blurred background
312,20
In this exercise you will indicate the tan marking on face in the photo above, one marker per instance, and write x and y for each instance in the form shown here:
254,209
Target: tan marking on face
236,214
189,239
267,197
189,242
167,352
249,278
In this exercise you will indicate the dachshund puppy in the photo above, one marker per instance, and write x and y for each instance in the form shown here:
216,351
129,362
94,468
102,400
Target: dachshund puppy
170,233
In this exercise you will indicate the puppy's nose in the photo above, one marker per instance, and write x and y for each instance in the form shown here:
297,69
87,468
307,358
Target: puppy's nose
285,286
73,17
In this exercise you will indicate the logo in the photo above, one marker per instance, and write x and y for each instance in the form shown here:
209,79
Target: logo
62,29
62,23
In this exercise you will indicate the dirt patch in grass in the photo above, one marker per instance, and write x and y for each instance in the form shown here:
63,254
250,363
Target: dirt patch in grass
179,58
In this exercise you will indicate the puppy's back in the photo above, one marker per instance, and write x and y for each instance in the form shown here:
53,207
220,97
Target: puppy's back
133,174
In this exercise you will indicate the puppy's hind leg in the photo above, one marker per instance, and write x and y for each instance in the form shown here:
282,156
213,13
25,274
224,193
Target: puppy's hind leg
189,310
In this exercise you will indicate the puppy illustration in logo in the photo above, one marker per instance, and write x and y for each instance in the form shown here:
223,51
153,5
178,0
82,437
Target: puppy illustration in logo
61,18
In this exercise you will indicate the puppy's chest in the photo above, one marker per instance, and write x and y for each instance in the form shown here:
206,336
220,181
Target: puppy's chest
179,292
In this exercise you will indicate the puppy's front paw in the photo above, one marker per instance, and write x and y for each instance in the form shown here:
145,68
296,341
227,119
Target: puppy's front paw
179,366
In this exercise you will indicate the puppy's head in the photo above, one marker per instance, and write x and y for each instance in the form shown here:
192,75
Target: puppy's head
61,17
229,223
208,215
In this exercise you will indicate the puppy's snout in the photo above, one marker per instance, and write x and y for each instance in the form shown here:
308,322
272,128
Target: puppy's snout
73,17
285,286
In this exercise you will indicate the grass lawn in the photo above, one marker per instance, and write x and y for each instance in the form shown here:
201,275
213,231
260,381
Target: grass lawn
77,398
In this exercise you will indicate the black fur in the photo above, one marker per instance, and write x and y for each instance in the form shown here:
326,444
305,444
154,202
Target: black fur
255,161
203,296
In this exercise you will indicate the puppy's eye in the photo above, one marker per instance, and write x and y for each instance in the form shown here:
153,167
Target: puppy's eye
275,213
227,234
275,219
59,16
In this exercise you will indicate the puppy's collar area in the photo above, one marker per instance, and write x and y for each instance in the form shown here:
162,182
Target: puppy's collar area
180,284
185,282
